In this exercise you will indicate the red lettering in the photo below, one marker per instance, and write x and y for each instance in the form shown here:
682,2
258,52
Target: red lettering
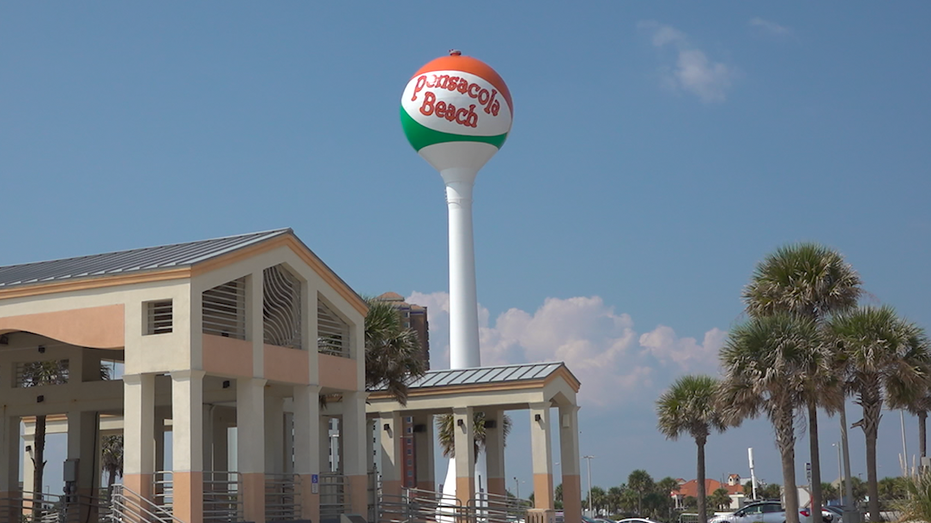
450,112
441,81
483,92
490,100
460,116
475,88
495,107
441,109
453,83
427,108
463,85
421,82
432,82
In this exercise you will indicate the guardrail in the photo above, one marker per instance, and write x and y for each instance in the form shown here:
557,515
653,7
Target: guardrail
127,506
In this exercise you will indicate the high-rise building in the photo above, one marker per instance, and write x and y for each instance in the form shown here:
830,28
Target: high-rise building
413,317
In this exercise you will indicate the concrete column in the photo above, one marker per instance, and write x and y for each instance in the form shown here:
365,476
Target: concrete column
423,452
82,450
289,443
353,443
370,424
138,432
221,444
9,465
250,451
209,428
187,413
464,441
306,448
494,453
569,461
542,455
274,435
29,471
391,434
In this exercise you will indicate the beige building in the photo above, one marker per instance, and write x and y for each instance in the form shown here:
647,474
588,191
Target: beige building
246,331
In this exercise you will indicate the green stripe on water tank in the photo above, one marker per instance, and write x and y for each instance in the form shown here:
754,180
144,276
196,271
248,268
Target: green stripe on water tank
420,136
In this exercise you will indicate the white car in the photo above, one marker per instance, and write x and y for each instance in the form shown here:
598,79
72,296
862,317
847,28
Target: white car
762,512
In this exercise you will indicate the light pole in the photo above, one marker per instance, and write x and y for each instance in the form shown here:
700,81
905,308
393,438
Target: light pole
517,489
589,458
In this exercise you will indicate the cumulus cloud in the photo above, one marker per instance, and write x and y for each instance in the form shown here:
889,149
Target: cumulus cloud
599,345
693,72
769,27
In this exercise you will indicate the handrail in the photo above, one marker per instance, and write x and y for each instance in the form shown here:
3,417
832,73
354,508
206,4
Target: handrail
136,508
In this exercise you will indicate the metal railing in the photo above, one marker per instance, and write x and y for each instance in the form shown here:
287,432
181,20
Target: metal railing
127,506
425,506
334,497
282,497
52,508
495,508
222,499
163,490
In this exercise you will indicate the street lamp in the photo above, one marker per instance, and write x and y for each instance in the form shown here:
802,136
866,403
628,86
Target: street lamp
589,458
517,489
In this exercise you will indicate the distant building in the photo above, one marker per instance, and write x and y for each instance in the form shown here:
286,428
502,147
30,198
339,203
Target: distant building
690,488
414,317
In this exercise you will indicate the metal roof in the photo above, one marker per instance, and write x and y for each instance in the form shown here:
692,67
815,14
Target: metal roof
483,375
133,261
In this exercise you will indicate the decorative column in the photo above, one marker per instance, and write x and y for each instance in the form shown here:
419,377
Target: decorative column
569,461
423,452
306,448
187,421
391,432
464,441
9,465
542,455
250,451
352,440
138,433
494,450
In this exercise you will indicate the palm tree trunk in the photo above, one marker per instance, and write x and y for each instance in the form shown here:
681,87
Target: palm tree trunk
872,486
785,439
922,433
816,494
38,462
700,478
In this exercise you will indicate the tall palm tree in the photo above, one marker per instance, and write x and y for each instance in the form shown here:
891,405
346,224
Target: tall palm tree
887,357
640,482
811,281
111,458
393,355
446,433
37,374
690,407
766,361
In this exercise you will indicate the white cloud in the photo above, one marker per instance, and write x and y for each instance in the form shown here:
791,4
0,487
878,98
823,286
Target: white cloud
693,71
598,345
769,27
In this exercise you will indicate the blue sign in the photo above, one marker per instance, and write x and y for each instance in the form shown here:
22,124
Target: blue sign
314,478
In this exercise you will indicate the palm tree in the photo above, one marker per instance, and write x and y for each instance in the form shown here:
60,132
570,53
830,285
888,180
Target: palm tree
919,404
640,482
811,281
111,459
766,363
689,407
446,433
887,357
720,498
667,486
37,374
392,353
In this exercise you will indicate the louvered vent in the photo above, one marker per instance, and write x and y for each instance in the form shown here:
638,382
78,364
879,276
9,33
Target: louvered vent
332,332
224,310
38,373
158,317
281,308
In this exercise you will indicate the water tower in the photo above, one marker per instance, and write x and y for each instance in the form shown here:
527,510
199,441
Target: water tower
456,112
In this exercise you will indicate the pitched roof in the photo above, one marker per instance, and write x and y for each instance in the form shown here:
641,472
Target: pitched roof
483,375
132,261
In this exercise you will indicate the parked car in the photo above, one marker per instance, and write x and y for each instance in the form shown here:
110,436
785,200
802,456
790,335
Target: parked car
762,512
636,520
838,513
827,515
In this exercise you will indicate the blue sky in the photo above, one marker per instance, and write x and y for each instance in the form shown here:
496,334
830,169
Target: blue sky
658,152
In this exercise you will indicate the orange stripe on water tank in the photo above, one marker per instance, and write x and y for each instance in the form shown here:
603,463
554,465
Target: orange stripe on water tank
469,65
